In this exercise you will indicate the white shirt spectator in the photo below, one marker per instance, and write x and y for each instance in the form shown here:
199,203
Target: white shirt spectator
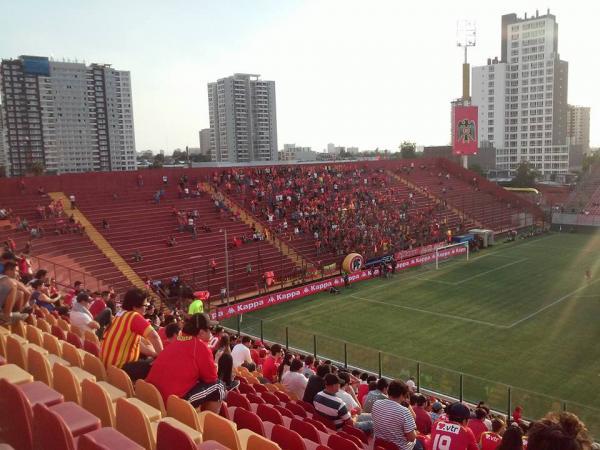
295,382
348,399
411,385
240,354
80,320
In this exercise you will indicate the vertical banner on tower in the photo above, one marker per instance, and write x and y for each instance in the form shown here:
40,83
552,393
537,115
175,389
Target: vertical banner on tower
465,130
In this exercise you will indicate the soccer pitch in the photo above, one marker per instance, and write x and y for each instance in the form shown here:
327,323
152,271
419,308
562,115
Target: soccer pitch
518,314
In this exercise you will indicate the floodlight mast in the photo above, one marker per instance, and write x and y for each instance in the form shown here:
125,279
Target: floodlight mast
466,36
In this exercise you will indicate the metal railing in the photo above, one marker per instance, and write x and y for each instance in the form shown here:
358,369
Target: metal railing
430,378
65,276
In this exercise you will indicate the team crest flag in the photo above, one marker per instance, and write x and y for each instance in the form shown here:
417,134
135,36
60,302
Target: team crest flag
465,140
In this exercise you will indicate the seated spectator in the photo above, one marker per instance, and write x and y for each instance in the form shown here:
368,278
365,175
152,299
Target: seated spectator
241,354
122,341
347,394
477,425
379,393
41,299
422,417
215,336
101,312
558,431
271,363
393,419
224,362
294,381
512,439
316,383
364,386
455,432
8,294
80,315
186,368
162,331
490,440
328,405
172,332
308,368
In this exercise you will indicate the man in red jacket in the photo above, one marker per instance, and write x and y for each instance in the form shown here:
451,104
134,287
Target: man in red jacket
186,367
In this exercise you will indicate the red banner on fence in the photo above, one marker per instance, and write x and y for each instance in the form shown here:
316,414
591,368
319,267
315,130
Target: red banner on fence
465,137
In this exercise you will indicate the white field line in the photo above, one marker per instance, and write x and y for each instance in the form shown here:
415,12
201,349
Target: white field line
433,313
555,302
490,271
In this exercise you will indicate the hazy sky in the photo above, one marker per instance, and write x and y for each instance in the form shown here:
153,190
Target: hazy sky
356,73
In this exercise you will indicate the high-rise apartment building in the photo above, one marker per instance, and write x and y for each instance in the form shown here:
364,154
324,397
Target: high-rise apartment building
243,119
66,116
522,97
205,141
578,126
3,157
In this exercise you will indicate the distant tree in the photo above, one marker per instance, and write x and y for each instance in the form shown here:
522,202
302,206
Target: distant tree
146,156
179,155
158,161
200,158
525,175
408,150
36,168
589,160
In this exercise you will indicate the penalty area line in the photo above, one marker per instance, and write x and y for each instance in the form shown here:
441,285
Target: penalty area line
433,313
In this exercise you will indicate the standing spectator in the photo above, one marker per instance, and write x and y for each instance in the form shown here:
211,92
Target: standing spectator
379,393
422,417
316,383
454,434
8,294
558,431
271,363
517,414
490,440
512,439
477,424
186,368
241,354
122,341
393,420
294,381
73,202
329,406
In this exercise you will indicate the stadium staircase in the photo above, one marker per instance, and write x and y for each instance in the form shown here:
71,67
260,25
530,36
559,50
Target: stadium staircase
73,252
99,241
137,223
464,218
249,220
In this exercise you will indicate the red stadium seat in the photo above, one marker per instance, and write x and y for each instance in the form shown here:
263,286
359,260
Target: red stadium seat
337,442
91,347
255,398
270,398
246,388
245,419
236,399
306,430
59,332
73,339
284,411
170,438
287,439
106,439
269,414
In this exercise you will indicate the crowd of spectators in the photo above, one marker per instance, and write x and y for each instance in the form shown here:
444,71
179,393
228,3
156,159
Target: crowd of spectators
341,208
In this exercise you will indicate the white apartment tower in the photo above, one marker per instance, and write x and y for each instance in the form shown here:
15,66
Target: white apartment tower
66,116
522,97
243,119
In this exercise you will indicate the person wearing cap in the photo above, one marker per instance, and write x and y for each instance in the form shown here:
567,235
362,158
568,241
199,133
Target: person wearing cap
186,368
393,419
437,411
454,434
122,344
331,407
80,315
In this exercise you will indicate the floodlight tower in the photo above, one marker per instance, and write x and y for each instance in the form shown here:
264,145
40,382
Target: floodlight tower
466,34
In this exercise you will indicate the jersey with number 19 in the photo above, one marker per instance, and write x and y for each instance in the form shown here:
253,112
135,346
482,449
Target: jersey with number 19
452,436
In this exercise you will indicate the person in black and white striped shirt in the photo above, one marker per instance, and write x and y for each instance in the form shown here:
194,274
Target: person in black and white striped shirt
393,420
329,406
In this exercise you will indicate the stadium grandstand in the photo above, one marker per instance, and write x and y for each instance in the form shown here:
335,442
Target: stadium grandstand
107,279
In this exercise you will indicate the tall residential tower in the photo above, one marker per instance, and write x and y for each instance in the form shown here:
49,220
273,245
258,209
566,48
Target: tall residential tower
522,97
66,116
243,119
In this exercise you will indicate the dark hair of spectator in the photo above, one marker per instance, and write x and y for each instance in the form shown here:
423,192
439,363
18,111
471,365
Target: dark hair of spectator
133,298
397,389
296,365
558,431
323,370
171,329
512,439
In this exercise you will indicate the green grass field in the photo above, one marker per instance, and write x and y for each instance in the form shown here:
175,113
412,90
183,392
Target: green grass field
518,314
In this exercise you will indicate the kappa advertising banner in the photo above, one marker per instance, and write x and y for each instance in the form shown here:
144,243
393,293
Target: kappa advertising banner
291,294
465,130
276,298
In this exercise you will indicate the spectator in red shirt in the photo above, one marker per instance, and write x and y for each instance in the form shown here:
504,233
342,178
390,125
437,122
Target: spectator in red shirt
422,417
363,387
477,424
454,434
490,440
271,363
186,368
